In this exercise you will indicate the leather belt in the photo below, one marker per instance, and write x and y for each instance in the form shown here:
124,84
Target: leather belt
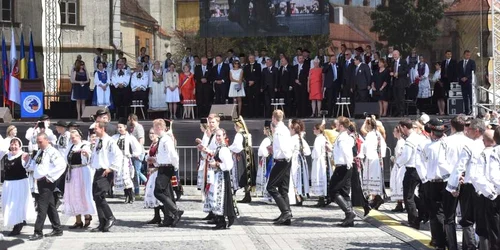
281,160
165,165
344,165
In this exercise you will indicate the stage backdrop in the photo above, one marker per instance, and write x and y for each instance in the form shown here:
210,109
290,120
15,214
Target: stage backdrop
244,18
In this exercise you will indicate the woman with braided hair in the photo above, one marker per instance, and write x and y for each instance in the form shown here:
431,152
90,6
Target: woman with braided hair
265,162
300,170
321,171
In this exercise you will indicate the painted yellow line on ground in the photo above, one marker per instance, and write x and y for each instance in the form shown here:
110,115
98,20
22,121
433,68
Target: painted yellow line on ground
396,225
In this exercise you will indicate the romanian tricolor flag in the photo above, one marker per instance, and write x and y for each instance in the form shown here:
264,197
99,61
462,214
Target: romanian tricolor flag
23,63
5,74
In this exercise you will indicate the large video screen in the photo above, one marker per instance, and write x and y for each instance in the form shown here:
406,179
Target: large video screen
244,18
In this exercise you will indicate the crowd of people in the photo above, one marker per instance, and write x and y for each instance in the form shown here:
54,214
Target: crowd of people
433,173
255,81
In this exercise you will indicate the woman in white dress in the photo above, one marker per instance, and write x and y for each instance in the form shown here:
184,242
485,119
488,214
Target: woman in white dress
202,156
17,202
237,88
321,171
157,88
150,200
78,198
265,162
397,174
299,171
172,90
372,153
130,147
102,80
424,85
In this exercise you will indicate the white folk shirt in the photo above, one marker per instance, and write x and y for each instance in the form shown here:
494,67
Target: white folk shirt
33,132
342,150
166,152
123,79
493,170
108,156
282,142
83,146
483,176
51,166
469,159
139,83
408,154
434,158
63,143
420,164
454,145
237,145
226,159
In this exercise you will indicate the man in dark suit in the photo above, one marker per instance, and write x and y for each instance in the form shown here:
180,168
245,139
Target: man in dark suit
300,74
448,71
204,88
252,73
400,81
348,68
269,85
286,79
465,69
341,55
220,80
332,83
361,81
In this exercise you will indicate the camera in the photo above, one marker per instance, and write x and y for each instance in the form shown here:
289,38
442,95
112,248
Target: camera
323,112
41,124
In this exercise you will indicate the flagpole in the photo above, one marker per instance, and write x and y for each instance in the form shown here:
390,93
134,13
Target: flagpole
3,75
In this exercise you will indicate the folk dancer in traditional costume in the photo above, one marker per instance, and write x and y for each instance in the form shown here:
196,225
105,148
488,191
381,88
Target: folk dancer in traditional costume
17,202
244,171
157,90
168,162
358,198
373,152
221,199
106,158
460,185
139,83
150,200
207,151
42,125
485,178
279,178
62,145
102,90
299,167
176,184
48,165
397,173
490,190
130,147
341,179
321,171
437,172
265,162
78,199
455,144
202,156
120,89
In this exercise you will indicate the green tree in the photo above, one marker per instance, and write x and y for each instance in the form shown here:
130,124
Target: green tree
405,24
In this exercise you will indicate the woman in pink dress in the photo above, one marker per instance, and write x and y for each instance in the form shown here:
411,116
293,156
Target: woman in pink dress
315,87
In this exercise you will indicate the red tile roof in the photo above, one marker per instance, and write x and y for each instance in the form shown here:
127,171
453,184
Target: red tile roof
133,9
463,7
343,32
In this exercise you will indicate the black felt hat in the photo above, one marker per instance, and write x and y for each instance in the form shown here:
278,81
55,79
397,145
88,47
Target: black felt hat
61,124
203,120
44,117
267,124
168,122
73,124
123,121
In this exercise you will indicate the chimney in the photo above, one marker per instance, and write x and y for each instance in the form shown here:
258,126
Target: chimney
338,15
347,2
366,2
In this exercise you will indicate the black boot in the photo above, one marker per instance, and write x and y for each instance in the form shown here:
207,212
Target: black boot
321,202
210,216
156,219
131,195
178,193
399,208
347,208
127,196
299,199
247,198
221,223
451,235
367,209
377,202
16,230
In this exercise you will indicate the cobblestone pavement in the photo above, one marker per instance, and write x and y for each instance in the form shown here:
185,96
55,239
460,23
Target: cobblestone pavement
312,228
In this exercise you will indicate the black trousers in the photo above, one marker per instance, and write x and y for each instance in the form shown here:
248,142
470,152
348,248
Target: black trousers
301,96
467,96
221,92
46,207
358,198
410,182
331,100
467,198
267,96
450,212
164,191
141,95
253,101
399,98
277,186
434,193
289,98
121,100
492,219
340,183
204,98
99,189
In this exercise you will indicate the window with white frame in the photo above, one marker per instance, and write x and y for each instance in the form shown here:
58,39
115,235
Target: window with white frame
69,12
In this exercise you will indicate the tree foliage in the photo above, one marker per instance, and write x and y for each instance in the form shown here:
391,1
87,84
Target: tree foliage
408,23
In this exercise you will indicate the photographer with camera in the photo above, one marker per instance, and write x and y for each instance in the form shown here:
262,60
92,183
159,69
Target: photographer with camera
41,126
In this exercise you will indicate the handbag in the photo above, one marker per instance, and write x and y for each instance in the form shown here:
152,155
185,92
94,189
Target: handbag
238,87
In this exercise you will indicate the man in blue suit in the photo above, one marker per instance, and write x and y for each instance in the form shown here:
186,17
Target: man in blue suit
332,83
465,69
220,80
